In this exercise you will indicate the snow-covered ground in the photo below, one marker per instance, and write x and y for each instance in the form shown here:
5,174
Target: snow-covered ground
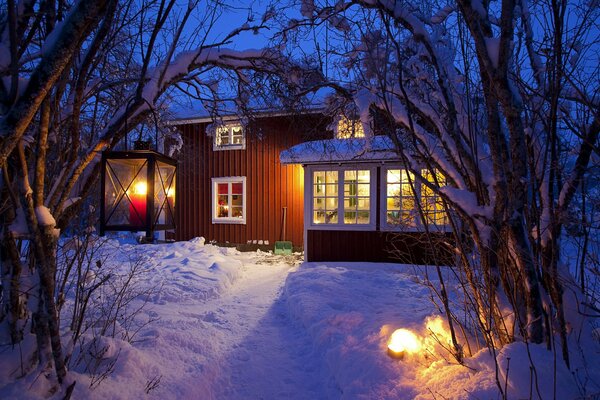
231,325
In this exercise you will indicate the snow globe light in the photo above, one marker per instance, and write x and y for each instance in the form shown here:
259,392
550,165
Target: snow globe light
138,192
403,342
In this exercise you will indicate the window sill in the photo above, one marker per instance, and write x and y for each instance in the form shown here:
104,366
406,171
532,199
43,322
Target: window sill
416,229
341,227
229,147
234,221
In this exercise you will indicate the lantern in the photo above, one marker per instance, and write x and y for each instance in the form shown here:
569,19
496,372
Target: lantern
403,342
138,192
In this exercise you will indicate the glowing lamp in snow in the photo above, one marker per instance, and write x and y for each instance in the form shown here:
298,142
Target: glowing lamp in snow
138,192
403,342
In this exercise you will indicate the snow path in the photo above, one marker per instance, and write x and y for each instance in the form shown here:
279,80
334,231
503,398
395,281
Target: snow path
234,345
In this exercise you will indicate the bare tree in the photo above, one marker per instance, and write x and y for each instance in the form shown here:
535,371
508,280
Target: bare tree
503,99
77,77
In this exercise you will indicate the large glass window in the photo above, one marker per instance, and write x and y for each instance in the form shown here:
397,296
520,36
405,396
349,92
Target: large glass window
402,189
433,206
357,196
342,197
230,137
400,198
229,200
325,197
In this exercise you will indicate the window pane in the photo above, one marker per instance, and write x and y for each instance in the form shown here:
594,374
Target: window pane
400,202
224,139
222,211
319,190
332,203
349,176
407,203
222,200
393,217
331,217
319,217
393,176
364,176
331,177
237,134
237,200
349,217
237,188
319,204
393,203
393,190
363,189
363,217
331,190
319,177
223,188
237,212
364,204
350,189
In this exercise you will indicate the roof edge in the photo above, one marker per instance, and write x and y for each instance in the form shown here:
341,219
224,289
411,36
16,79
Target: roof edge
234,117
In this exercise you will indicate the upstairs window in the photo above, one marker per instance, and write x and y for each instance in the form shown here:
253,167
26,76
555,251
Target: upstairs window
229,200
349,128
230,137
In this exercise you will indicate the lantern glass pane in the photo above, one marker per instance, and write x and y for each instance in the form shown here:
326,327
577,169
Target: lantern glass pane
164,193
124,199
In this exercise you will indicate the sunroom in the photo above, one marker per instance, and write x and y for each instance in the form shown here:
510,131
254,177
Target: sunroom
361,204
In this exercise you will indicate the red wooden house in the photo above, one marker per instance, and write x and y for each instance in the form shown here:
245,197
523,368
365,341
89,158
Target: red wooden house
341,199
232,187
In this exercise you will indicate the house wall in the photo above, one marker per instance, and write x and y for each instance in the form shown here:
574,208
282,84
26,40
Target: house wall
375,242
378,246
270,186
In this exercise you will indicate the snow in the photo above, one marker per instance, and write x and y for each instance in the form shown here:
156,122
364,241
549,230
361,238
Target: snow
333,150
231,325
44,216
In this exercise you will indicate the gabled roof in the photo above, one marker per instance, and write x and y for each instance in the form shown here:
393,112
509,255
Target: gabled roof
376,148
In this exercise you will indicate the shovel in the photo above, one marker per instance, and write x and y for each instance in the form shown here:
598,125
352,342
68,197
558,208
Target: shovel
283,246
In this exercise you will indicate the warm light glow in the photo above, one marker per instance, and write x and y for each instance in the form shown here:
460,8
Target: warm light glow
140,188
349,128
403,341
170,192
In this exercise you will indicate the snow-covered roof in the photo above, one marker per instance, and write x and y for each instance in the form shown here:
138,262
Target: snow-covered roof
201,116
376,148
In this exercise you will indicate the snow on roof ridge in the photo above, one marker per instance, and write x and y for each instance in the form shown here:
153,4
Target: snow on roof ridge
229,116
375,148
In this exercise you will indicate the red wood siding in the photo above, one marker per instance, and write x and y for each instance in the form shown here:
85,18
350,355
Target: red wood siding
376,246
270,186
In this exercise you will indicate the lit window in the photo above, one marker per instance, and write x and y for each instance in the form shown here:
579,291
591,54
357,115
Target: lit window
349,128
342,197
400,206
357,196
229,200
433,206
325,193
230,137
400,198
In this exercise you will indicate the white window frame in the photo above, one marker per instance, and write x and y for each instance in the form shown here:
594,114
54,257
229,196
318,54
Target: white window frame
215,193
418,223
229,126
340,225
